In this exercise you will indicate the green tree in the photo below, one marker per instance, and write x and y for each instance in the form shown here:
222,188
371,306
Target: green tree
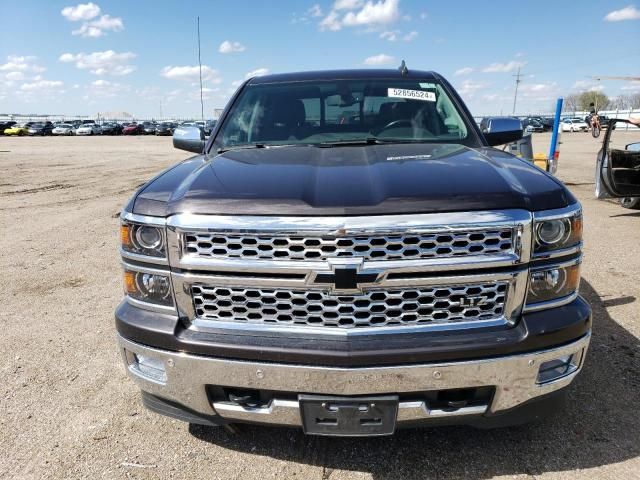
599,99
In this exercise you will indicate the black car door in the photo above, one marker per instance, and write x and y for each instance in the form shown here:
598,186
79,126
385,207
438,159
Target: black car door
618,162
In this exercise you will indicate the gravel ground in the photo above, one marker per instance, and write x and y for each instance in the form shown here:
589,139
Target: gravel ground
67,409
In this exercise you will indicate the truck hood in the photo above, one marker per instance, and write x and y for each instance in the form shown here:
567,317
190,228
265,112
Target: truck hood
352,180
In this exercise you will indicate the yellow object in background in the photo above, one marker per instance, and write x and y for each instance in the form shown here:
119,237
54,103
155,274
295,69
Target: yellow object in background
540,160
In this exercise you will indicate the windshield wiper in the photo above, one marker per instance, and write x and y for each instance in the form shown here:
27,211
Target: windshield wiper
366,141
242,147
260,145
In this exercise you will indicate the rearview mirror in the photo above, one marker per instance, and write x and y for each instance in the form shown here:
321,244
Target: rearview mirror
501,130
190,139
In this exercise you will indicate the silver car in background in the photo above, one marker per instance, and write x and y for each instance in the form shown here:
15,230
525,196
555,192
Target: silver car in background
89,129
63,129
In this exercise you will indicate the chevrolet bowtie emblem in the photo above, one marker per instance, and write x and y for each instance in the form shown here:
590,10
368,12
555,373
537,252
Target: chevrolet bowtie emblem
345,277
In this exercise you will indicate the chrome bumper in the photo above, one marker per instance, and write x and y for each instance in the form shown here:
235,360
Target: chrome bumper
514,378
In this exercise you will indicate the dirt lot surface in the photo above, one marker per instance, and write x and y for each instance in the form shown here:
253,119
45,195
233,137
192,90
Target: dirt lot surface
67,409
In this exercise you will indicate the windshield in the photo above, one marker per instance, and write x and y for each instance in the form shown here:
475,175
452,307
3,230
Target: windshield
343,111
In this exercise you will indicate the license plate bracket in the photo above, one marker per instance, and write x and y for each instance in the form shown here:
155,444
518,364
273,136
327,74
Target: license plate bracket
348,416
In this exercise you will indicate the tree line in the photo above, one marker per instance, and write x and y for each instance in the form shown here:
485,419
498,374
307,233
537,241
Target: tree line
582,101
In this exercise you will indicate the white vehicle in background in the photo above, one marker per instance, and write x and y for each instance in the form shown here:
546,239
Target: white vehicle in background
89,129
63,129
574,125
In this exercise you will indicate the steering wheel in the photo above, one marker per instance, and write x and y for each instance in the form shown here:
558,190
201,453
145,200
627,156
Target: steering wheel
395,123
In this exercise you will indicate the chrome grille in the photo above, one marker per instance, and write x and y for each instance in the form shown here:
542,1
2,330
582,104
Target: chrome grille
371,247
374,308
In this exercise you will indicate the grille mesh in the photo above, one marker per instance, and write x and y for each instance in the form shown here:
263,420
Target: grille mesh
379,247
374,308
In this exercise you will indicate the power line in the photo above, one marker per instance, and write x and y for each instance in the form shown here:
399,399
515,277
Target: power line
515,96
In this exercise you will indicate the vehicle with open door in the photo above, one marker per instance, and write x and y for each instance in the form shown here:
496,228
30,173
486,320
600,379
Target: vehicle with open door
618,164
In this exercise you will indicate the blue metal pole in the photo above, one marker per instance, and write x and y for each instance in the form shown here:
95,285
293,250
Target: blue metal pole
556,126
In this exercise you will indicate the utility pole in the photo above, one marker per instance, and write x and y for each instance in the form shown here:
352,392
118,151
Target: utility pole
161,116
200,64
515,96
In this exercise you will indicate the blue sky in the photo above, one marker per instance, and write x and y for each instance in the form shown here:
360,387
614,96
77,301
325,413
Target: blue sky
62,57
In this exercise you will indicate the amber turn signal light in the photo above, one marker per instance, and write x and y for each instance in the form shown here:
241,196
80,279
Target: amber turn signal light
125,235
130,286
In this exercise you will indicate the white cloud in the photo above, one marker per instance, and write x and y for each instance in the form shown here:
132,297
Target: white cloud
392,36
469,87
14,76
82,11
587,85
410,36
258,72
503,67
315,11
360,14
102,63
539,91
97,28
626,13
16,63
42,86
371,14
424,16
381,59
92,27
191,74
631,86
464,71
331,22
106,89
231,47
347,4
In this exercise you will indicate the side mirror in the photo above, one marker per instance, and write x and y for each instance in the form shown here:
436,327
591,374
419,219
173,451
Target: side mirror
501,130
190,139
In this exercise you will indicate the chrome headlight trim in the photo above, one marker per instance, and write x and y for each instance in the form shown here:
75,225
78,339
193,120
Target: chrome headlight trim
543,250
154,307
137,221
556,302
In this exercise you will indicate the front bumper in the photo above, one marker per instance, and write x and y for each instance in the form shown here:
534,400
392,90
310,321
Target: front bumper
187,378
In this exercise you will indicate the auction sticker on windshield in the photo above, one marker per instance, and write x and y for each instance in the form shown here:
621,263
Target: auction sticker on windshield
411,94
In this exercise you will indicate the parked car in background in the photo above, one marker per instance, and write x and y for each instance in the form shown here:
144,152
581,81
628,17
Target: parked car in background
63,129
133,129
532,125
89,129
111,129
149,128
574,125
206,127
18,129
165,128
5,125
41,128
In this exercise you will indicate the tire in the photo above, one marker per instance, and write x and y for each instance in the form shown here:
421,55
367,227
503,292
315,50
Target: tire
20,134
595,132
632,203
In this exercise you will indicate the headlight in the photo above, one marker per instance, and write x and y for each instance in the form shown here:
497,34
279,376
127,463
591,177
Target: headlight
553,283
148,287
557,232
142,239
